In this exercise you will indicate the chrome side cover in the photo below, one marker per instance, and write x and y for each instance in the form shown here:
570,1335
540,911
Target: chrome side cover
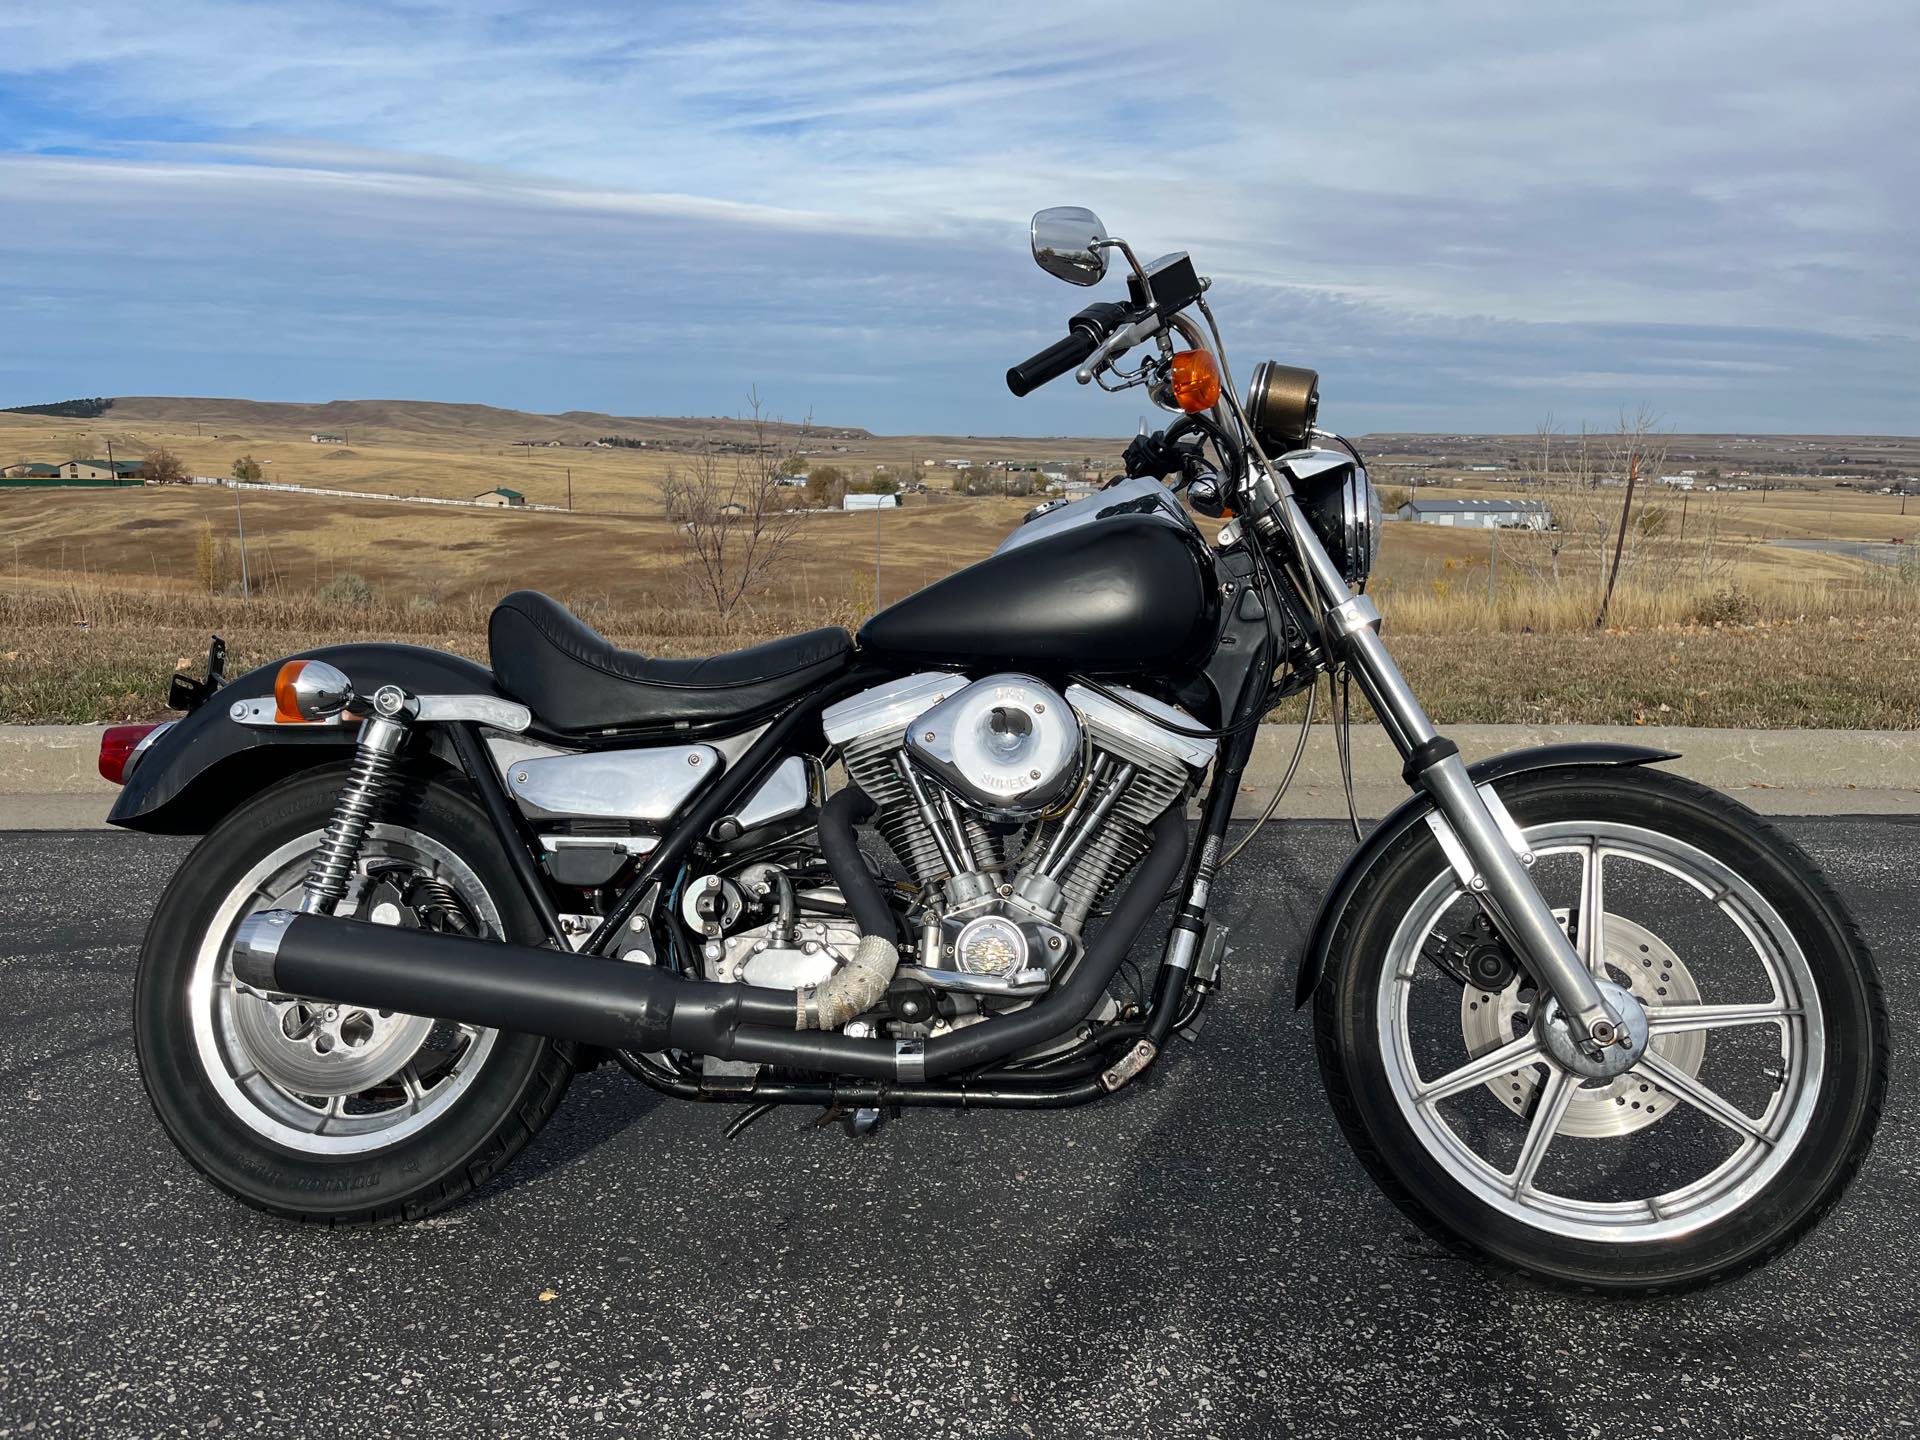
796,782
614,784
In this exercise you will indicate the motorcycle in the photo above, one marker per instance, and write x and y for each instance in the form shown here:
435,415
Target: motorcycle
1579,1017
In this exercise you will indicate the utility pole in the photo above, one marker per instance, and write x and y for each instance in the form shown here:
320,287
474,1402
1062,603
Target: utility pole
569,489
246,588
1683,514
876,558
110,470
1493,562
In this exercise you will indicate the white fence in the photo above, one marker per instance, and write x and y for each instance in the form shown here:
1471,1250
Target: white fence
360,494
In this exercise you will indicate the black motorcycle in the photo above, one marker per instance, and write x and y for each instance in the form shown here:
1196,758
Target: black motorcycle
1578,1016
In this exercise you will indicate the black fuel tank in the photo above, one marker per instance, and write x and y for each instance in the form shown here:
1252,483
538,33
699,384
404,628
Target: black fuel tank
1130,593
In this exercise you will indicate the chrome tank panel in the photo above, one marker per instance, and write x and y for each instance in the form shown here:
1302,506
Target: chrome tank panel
1142,495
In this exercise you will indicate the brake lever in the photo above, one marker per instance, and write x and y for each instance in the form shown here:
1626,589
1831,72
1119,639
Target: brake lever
1121,340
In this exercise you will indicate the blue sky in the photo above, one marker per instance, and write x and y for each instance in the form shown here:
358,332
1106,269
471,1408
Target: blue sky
1467,216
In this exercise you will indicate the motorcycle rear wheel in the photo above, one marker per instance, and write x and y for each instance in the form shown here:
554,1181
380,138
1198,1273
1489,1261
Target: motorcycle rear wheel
323,1114
1745,1121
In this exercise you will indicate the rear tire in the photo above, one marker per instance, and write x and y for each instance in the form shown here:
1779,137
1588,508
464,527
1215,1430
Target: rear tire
1804,1142
421,1143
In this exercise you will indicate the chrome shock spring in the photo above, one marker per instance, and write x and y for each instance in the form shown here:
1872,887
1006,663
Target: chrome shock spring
338,855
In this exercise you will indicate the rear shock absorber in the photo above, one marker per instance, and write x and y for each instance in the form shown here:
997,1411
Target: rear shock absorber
375,754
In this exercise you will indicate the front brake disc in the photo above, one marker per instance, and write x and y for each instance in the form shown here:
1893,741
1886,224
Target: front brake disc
1647,966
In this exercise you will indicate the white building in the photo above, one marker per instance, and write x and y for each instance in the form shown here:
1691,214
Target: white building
1478,514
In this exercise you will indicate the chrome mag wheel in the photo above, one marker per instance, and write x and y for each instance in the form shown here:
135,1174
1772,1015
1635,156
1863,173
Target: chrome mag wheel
1720,1096
327,1079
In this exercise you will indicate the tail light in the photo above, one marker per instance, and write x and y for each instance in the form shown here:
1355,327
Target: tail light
118,746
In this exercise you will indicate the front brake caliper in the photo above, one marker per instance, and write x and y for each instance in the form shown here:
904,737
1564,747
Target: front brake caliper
1473,956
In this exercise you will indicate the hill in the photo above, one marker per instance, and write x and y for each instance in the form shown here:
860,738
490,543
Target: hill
416,420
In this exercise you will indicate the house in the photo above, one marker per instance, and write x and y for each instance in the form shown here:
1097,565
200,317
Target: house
870,502
31,470
1478,514
101,470
500,495
325,439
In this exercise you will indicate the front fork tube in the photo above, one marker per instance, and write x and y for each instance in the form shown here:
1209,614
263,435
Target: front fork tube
1497,876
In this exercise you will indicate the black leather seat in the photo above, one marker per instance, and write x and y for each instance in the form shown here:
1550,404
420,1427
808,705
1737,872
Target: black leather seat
574,679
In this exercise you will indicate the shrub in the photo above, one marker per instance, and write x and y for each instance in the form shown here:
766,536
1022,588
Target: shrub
348,589
1726,607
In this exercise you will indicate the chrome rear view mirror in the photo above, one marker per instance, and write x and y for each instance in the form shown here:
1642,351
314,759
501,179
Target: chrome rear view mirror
1069,243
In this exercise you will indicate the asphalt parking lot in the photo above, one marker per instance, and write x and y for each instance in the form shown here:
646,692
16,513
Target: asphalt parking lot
1198,1256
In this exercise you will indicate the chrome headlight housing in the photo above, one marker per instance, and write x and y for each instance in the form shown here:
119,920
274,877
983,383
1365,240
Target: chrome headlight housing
1341,505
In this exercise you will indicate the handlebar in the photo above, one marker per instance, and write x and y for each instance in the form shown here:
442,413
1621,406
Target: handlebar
1085,332
1051,363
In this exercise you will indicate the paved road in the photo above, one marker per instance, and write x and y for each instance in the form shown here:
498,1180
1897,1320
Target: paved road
1198,1257
1886,552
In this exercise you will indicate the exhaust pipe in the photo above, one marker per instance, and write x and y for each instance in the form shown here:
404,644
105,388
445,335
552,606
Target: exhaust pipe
593,1000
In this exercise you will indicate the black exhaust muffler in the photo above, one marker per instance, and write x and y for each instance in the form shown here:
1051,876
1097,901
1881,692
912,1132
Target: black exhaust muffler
626,1005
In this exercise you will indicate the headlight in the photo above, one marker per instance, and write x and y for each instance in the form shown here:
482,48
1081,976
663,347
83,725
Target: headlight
1342,507
1283,401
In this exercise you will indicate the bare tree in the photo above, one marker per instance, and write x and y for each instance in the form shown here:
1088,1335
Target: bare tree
1579,519
1639,446
734,520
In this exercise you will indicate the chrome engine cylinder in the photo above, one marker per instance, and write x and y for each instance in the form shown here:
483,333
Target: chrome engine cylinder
1130,762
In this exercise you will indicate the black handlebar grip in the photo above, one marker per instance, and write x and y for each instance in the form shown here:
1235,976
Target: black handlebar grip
1051,363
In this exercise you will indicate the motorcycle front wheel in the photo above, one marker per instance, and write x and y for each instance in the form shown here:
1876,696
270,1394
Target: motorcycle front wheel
1747,1116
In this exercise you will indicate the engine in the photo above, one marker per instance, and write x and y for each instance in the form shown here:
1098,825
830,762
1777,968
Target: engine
1016,808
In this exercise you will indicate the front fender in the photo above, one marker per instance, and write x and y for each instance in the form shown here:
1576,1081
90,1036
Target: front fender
1317,950
207,764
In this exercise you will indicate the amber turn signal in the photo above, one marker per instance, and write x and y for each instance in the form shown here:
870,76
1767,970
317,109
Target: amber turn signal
286,700
1195,381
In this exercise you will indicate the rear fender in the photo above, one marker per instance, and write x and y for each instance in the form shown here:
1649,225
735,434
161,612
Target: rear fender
1317,952
207,764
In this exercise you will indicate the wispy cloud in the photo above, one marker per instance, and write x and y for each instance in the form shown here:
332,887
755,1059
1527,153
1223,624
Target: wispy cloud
1476,212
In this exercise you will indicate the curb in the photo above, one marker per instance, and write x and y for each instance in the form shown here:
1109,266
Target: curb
48,779
1776,772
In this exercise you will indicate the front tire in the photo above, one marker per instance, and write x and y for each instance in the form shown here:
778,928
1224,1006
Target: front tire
323,1114
1745,1121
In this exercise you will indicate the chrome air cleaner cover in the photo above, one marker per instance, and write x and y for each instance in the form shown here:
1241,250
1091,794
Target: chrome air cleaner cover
1008,745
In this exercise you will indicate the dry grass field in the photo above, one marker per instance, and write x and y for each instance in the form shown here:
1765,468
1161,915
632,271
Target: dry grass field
102,595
